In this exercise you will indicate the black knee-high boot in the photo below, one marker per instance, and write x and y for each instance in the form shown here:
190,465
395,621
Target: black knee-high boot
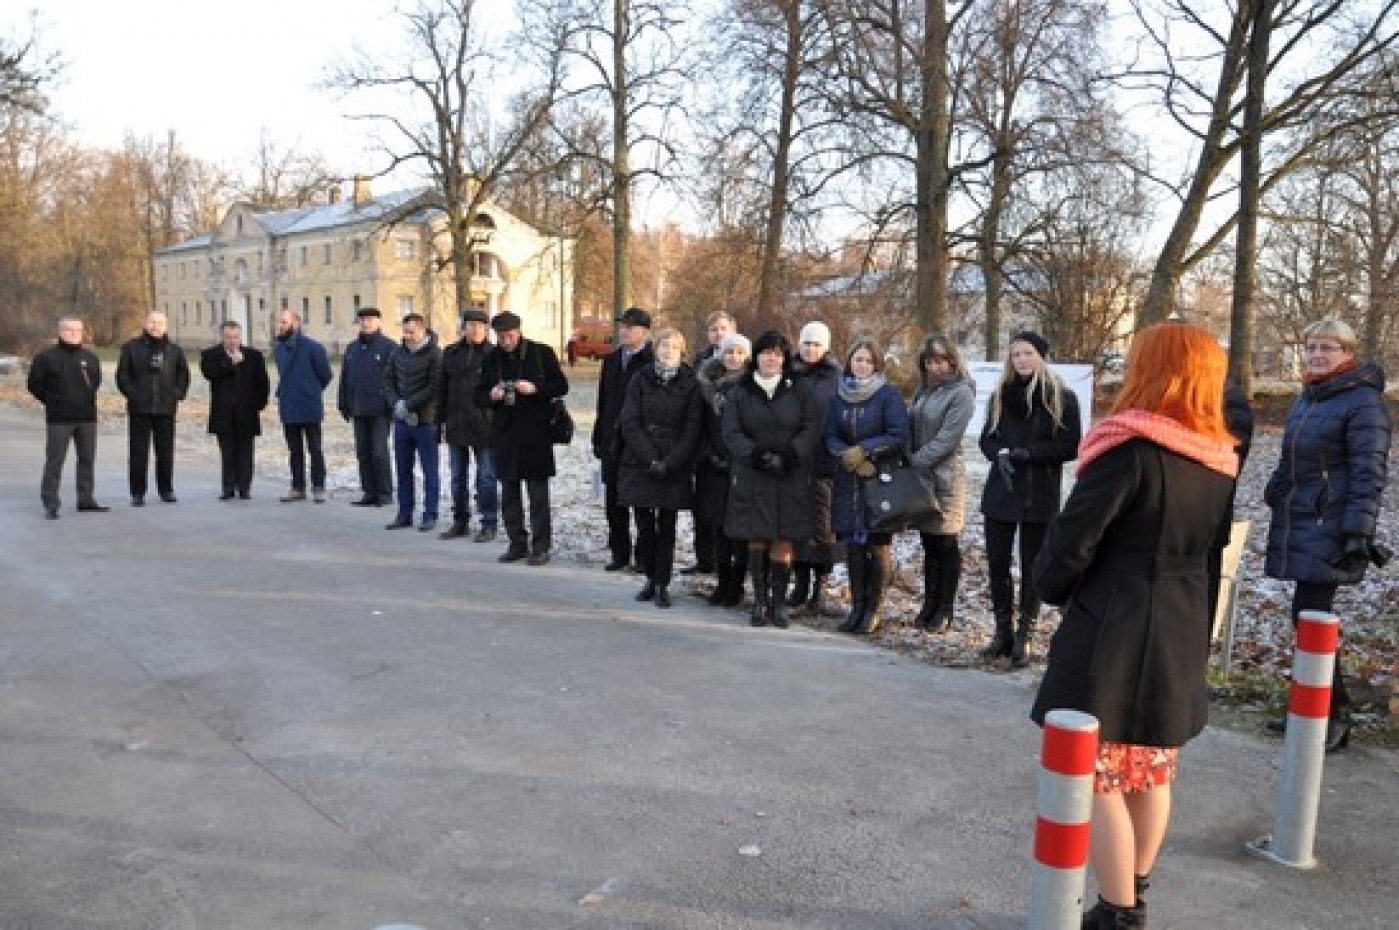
757,569
778,574
801,584
932,576
855,564
879,571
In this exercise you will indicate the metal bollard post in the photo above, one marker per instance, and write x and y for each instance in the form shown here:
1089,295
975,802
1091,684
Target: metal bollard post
1063,824
1304,747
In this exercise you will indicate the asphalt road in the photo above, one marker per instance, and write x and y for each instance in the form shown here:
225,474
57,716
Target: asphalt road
253,715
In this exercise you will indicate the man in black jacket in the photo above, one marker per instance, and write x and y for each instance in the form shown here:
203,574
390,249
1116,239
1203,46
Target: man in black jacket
153,377
361,403
411,389
65,379
468,429
632,355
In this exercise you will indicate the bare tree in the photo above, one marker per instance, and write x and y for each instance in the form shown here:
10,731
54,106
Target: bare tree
455,132
1197,68
286,178
24,70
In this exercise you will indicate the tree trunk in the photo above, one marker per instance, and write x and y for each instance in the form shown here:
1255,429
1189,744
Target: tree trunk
933,177
1250,192
990,251
621,162
774,234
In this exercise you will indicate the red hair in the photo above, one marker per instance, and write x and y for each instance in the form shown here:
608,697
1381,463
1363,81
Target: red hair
1177,370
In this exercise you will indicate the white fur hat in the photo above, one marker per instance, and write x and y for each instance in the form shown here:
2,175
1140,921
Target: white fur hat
817,332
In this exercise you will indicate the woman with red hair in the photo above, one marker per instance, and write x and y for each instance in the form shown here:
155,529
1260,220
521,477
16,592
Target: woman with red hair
1126,559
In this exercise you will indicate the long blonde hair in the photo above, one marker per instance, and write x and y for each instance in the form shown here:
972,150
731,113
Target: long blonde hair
1044,384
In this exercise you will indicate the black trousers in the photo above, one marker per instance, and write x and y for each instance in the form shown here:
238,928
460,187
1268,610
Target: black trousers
144,431
618,521
83,436
1322,597
539,537
236,461
303,439
372,454
1000,539
655,543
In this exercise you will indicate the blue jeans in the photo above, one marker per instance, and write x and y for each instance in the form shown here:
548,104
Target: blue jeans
487,491
420,442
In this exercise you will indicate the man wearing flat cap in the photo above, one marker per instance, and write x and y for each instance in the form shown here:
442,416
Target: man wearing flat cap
362,403
519,382
633,354
468,429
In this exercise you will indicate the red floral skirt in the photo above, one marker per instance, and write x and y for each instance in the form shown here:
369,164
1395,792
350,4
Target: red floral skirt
1125,768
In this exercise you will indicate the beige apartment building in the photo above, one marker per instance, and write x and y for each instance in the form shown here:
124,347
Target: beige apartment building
328,261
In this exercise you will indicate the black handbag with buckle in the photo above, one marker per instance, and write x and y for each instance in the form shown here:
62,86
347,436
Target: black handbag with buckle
896,498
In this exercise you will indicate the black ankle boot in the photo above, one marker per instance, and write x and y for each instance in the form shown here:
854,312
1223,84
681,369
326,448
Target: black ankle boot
816,604
1107,916
647,592
778,574
721,589
1000,643
855,564
734,595
801,584
1018,648
879,571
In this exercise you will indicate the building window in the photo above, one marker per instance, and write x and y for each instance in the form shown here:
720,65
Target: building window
262,306
356,249
284,303
354,310
184,314
182,270
327,253
405,248
239,223
329,320
198,313
306,310
405,306
305,254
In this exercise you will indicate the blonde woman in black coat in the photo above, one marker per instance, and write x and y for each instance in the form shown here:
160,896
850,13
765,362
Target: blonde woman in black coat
771,428
1031,430
660,425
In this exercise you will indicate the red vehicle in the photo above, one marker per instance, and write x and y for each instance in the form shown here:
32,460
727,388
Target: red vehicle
593,341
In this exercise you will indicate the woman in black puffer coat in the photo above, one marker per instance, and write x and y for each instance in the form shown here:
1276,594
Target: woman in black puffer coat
771,428
1325,493
820,374
719,376
1031,429
660,426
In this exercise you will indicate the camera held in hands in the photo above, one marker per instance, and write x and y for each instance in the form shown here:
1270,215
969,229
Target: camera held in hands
509,388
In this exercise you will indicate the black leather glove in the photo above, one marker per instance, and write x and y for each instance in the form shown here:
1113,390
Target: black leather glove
1356,555
1019,456
656,469
1006,469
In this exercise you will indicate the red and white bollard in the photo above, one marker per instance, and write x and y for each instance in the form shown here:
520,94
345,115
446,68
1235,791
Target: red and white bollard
1304,747
1063,823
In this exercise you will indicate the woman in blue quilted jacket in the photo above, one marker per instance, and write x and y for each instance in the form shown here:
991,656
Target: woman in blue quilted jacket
1325,492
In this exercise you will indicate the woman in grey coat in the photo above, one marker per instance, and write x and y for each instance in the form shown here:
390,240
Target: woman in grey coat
938,417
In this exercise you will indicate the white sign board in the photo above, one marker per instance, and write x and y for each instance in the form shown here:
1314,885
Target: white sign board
1079,379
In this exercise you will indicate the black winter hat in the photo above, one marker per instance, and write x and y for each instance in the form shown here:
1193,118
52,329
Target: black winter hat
1040,343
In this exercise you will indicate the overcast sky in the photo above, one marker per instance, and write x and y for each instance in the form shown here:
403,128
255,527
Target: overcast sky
215,72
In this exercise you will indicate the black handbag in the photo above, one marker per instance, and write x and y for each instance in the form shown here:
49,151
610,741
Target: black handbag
560,423
896,499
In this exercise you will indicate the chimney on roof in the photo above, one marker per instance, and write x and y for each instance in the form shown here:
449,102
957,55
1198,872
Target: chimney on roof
362,192
335,193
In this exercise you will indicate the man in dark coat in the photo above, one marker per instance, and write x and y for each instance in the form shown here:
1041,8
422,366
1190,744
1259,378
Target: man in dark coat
361,402
632,355
303,373
411,388
238,393
468,429
153,376
65,379
519,382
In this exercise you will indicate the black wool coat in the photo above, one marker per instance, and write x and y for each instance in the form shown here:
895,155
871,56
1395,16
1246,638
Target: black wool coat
520,431
237,393
763,505
1126,561
1038,486
713,461
660,422
611,395
65,378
